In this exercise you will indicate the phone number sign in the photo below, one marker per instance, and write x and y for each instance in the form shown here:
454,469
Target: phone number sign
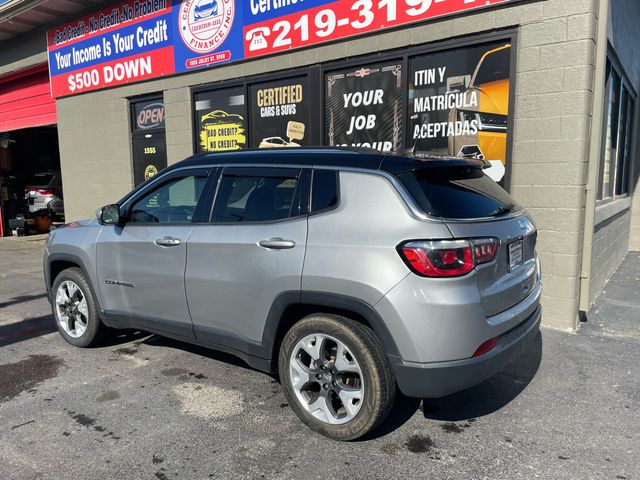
343,18
142,39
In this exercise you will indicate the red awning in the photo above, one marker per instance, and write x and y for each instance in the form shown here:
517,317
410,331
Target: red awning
25,100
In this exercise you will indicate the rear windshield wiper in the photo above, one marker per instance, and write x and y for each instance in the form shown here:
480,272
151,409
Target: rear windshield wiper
503,210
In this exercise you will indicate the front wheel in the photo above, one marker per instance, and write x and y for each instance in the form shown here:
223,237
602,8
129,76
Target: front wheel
74,308
336,376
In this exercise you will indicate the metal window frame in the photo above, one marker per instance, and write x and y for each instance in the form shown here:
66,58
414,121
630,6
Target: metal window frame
245,83
629,128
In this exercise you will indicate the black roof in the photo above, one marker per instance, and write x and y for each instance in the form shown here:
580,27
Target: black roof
349,157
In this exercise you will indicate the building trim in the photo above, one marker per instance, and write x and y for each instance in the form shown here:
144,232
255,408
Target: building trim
597,122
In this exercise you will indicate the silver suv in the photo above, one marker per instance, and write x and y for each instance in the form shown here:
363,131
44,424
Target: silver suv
348,273
44,192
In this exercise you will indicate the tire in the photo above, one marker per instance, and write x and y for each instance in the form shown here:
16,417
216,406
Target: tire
363,377
77,320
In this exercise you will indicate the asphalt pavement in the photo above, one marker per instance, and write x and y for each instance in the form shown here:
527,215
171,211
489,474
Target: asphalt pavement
141,406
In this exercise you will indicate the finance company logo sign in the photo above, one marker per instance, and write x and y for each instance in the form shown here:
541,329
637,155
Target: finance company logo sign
205,24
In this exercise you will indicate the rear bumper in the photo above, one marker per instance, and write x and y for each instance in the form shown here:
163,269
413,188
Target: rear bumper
434,380
50,202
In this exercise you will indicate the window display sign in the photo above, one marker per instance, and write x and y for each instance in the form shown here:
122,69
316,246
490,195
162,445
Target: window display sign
280,113
364,107
141,39
221,120
148,114
459,104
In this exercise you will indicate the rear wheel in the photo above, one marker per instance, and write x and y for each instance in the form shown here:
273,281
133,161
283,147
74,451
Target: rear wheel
336,376
74,308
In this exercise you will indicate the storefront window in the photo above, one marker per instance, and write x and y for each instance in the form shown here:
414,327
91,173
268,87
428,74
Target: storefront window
280,113
459,103
364,107
617,137
220,120
448,102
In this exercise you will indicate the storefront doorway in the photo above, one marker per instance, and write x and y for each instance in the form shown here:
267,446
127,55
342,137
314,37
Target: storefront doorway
148,138
30,180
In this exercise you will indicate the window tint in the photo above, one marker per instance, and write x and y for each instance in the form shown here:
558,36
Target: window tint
173,202
461,193
255,198
628,157
611,138
324,192
618,128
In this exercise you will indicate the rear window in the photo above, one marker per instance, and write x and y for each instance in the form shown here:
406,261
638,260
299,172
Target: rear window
42,178
459,193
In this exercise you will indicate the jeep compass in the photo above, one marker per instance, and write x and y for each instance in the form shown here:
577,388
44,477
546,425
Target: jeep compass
348,273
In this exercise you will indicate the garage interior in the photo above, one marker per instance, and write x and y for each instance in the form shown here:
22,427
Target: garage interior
28,158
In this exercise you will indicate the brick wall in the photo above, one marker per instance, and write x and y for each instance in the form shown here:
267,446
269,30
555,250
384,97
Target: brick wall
555,57
618,222
610,245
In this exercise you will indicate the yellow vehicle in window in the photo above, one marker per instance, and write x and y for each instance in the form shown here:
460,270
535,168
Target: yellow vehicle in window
490,85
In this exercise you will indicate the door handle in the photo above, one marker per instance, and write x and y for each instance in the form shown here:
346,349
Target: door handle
168,242
277,243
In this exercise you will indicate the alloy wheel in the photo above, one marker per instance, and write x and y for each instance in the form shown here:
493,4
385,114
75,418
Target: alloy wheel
72,312
326,378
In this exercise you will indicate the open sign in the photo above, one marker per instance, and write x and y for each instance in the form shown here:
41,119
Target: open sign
150,116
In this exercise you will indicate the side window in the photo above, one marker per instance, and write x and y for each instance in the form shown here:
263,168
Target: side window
172,202
324,190
255,197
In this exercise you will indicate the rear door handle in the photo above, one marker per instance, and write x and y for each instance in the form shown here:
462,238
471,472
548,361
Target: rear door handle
277,243
168,242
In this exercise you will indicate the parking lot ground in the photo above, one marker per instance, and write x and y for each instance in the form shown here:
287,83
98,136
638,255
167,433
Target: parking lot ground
141,406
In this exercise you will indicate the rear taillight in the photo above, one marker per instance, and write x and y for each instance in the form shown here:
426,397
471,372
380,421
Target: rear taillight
448,258
37,191
486,347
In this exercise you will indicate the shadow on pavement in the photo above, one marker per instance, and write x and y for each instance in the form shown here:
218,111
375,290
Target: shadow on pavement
27,329
483,399
492,394
403,409
160,341
115,337
121,336
22,299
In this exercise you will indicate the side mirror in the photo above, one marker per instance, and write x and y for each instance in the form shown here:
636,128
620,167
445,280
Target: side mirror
109,215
